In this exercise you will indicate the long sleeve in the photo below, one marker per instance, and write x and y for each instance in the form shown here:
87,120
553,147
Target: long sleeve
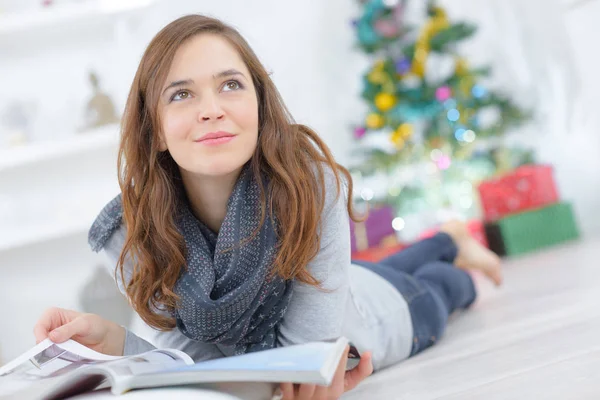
317,313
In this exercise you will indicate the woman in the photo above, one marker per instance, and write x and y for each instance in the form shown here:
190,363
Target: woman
231,232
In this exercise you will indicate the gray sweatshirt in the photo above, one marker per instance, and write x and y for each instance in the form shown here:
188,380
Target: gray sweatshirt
358,303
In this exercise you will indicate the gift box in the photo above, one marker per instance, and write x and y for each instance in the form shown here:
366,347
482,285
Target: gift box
532,230
526,188
374,231
475,227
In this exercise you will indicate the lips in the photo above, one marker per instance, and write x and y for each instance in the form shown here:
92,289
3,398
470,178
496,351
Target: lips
215,135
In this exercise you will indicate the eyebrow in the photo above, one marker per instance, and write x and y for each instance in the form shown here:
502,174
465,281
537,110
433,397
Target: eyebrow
222,74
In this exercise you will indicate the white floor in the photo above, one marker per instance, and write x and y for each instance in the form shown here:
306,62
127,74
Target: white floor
538,337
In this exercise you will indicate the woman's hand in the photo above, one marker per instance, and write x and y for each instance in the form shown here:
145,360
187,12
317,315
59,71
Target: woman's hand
342,381
90,330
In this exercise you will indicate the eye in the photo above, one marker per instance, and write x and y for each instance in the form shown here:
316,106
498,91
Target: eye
181,95
232,85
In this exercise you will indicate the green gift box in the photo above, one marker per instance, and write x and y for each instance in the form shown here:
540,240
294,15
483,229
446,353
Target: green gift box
532,230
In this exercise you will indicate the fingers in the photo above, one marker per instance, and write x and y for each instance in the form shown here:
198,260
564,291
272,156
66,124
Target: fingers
287,389
342,381
341,369
51,318
336,388
80,326
360,372
327,392
306,391
40,332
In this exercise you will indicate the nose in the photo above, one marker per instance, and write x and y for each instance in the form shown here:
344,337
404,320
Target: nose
210,109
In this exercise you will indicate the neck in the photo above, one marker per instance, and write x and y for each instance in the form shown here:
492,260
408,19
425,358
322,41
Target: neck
208,196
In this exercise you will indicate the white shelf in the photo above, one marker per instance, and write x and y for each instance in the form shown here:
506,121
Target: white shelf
74,217
25,237
101,138
64,15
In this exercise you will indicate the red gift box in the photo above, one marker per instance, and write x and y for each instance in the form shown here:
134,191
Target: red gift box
527,187
476,229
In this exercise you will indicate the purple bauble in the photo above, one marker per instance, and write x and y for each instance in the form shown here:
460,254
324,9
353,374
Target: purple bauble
402,65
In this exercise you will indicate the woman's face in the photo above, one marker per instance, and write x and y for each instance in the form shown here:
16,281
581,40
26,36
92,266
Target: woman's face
208,91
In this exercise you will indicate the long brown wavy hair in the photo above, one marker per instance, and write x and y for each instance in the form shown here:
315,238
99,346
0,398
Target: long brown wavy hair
287,153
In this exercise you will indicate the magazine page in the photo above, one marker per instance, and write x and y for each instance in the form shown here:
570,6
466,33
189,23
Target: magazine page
116,375
48,361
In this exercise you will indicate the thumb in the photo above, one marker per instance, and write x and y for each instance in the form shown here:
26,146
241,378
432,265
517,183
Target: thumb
78,327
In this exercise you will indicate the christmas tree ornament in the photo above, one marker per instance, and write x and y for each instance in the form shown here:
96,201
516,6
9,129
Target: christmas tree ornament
377,77
385,101
396,138
387,28
443,93
402,65
469,136
478,91
359,132
453,115
405,131
374,121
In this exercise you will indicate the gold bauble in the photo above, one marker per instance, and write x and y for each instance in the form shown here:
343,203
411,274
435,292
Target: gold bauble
377,77
385,101
398,141
374,121
405,130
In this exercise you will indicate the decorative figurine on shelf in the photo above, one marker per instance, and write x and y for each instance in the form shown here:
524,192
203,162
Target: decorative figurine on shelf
100,109
16,123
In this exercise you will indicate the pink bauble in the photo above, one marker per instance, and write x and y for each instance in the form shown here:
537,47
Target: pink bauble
386,28
443,93
359,132
444,162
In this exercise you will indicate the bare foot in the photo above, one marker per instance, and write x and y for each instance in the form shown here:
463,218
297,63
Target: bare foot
471,253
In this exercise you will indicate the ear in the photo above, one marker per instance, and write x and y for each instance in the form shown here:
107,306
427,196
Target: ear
162,145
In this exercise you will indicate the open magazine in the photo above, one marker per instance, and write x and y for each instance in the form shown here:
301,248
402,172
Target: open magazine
52,371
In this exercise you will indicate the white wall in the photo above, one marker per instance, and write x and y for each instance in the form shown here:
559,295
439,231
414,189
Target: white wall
308,45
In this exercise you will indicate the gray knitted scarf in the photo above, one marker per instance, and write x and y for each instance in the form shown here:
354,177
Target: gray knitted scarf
226,296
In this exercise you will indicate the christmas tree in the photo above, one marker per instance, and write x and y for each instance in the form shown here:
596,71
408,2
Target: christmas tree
433,129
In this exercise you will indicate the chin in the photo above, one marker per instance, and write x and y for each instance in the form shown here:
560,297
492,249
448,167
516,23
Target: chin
220,167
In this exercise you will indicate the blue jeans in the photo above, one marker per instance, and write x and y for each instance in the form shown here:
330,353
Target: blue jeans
432,286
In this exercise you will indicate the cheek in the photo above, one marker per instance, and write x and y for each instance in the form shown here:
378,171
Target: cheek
176,124
246,116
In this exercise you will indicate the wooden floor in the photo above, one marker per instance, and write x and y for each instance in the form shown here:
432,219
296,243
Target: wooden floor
537,337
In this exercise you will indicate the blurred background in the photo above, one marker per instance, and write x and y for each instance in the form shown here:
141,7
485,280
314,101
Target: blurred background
483,110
